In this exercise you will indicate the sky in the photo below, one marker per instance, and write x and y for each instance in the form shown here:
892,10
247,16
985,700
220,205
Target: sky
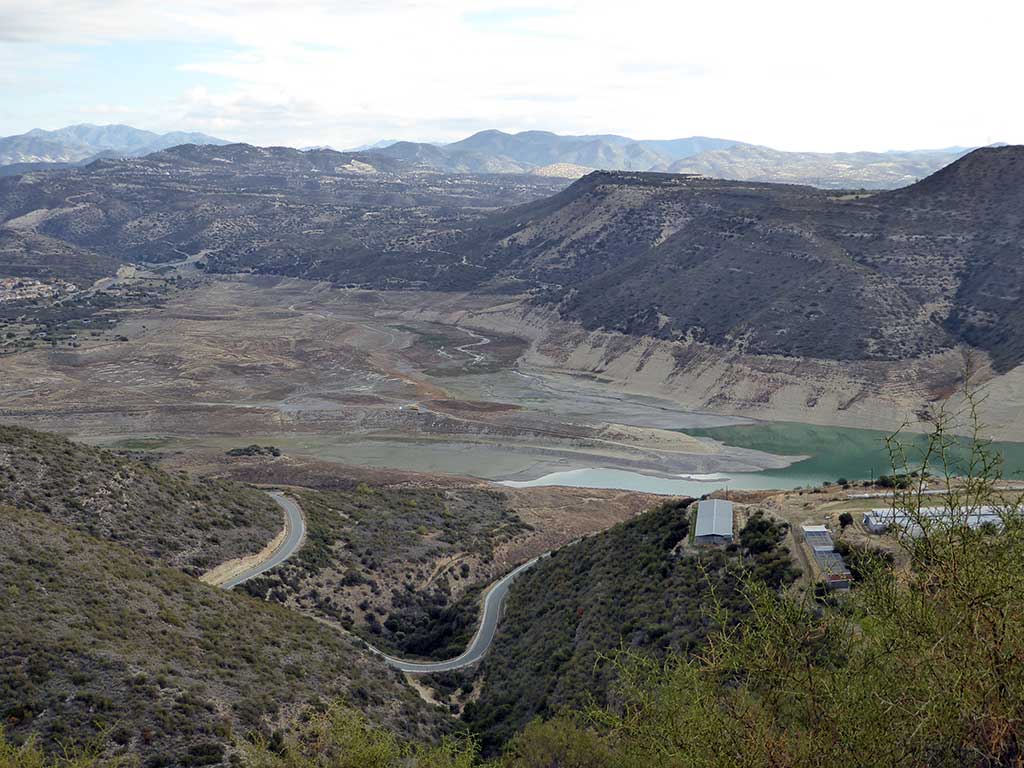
794,75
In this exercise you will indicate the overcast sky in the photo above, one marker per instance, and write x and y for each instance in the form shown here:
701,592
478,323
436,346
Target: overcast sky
796,75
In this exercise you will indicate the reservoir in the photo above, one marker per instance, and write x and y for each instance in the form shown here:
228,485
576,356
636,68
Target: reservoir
830,453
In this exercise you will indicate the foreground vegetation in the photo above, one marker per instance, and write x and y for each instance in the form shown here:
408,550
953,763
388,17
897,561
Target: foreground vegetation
922,665
636,586
102,646
919,666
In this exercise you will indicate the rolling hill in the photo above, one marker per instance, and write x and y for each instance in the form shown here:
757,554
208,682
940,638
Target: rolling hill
494,151
102,645
107,637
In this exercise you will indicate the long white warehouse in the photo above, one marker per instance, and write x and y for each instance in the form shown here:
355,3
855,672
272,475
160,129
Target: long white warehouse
882,519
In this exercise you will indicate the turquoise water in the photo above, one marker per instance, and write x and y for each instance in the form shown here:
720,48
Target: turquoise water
832,453
835,452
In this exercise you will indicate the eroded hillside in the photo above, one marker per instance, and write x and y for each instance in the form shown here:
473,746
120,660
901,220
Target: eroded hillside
781,270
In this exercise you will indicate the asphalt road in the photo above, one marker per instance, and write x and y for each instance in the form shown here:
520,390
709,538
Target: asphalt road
481,643
295,526
494,600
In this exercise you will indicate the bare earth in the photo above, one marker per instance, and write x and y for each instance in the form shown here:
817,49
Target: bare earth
352,377
231,568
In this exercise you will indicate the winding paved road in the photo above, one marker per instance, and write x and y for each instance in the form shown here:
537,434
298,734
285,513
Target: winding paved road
494,600
295,532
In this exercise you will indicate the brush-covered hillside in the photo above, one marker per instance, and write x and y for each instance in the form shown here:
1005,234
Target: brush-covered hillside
102,645
189,523
641,586
777,269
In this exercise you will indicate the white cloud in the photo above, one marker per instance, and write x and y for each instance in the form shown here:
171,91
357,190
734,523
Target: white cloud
796,74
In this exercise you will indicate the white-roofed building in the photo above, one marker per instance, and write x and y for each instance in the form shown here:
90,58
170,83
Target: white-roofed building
714,522
883,519
818,538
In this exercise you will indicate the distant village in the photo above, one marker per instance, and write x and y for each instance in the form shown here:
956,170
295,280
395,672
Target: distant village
27,289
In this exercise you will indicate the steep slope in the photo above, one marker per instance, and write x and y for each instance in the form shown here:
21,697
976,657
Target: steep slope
639,585
99,643
982,200
836,170
191,524
779,269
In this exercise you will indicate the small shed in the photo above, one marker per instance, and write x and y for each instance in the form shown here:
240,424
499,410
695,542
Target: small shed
818,538
714,522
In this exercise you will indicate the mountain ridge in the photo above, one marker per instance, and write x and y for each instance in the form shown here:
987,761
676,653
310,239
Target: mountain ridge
84,142
709,268
524,151
889,276
495,151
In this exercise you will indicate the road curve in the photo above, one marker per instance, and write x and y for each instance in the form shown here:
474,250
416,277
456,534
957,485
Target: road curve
494,599
295,532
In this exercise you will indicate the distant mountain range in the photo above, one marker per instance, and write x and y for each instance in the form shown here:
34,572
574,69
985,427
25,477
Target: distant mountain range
793,271
77,144
498,152
836,170
540,153
550,154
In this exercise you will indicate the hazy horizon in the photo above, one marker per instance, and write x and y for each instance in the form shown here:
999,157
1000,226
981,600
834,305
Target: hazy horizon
798,77
441,142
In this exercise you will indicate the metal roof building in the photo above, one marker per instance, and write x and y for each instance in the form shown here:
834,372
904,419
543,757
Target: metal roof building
714,522
882,519
818,538
834,570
